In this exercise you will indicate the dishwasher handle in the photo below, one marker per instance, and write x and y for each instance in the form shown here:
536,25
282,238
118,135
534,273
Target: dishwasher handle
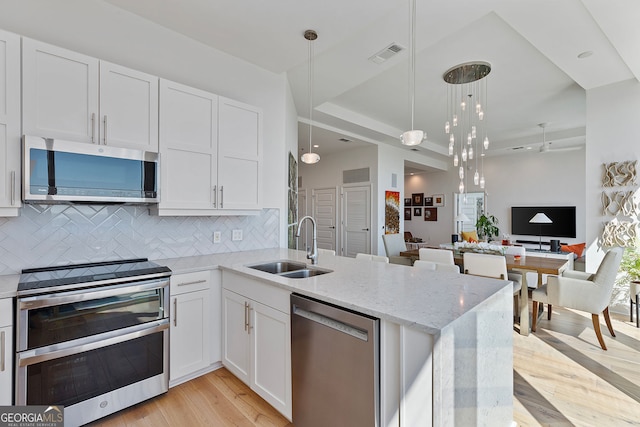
331,323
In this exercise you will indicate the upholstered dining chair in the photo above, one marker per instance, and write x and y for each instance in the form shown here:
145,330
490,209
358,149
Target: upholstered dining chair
374,258
432,265
496,266
393,245
443,256
326,252
582,291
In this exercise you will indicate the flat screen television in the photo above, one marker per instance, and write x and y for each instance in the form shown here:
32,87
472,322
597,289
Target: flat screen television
563,217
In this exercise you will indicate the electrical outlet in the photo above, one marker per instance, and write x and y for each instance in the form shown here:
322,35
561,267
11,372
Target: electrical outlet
237,235
217,237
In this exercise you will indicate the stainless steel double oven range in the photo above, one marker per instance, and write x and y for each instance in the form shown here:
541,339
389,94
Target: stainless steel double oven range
92,337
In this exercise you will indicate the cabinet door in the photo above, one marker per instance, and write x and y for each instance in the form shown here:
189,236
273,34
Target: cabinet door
271,345
188,147
235,336
6,370
59,93
10,171
128,108
216,316
240,155
189,334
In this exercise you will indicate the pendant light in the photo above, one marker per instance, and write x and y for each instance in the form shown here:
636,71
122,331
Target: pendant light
310,157
466,121
413,136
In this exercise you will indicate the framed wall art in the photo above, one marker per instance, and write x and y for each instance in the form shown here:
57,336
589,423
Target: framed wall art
407,201
417,199
417,212
407,214
430,214
428,201
438,200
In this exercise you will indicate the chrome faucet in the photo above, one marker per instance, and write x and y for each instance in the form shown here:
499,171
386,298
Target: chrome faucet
312,253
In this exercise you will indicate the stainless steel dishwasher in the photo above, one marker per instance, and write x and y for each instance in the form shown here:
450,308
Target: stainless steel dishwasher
335,365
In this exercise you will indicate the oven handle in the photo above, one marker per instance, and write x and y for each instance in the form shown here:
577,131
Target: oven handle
39,355
48,300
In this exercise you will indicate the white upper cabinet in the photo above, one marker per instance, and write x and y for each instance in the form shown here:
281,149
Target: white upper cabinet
211,153
128,108
71,96
240,150
188,147
10,170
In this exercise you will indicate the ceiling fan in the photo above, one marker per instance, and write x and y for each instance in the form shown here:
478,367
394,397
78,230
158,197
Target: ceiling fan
546,146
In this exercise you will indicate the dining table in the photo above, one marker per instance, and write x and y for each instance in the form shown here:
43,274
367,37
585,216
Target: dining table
522,265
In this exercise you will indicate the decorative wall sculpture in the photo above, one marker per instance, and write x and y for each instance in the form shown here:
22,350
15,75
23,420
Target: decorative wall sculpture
619,203
619,234
619,173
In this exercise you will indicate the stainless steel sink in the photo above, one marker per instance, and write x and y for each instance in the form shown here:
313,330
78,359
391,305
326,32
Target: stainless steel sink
303,274
278,267
290,269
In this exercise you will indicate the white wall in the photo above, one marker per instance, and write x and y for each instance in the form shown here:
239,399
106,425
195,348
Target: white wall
613,135
390,162
526,179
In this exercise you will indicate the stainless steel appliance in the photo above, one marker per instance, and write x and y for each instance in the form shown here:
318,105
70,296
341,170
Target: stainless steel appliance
335,365
92,337
56,171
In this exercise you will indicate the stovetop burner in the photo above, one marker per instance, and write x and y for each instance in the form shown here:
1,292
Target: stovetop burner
65,277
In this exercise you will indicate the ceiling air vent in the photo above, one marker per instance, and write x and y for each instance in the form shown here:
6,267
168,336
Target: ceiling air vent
386,53
344,140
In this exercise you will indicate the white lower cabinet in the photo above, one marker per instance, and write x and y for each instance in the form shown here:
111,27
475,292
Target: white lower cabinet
256,338
6,352
195,325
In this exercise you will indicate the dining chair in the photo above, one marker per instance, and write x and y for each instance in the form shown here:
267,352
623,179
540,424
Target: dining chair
370,257
326,252
496,266
634,294
432,265
393,245
443,256
582,291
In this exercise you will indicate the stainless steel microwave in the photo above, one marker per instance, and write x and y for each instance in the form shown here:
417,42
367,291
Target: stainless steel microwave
56,171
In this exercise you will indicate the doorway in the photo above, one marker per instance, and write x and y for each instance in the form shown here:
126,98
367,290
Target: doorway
356,220
325,212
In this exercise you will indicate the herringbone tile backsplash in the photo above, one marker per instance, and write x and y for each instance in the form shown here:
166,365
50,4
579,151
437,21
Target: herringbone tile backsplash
45,235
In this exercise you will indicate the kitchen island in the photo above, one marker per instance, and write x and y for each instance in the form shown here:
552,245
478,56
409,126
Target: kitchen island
446,355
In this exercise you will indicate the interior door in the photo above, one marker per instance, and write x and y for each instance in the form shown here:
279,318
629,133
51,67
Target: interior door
356,220
325,213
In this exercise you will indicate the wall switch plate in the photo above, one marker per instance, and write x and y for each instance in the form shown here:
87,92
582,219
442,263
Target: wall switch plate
237,235
217,237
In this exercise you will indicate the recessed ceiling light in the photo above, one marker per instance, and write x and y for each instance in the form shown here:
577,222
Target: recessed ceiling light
528,148
585,54
411,174
482,155
315,146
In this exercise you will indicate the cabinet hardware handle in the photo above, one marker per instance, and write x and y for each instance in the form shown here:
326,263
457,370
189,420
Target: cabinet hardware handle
175,312
93,128
105,129
215,196
249,321
194,282
13,188
221,196
2,351
246,316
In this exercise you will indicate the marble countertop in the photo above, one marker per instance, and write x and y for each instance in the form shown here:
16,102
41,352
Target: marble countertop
426,300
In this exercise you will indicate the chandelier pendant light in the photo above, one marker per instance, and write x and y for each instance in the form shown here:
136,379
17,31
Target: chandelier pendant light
413,136
466,118
310,157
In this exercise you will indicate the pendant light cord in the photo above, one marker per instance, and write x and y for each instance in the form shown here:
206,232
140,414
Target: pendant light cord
412,59
310,91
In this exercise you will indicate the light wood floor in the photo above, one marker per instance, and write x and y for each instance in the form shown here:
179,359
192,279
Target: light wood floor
561,378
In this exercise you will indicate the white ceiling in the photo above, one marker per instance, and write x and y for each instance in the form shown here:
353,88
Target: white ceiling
532,46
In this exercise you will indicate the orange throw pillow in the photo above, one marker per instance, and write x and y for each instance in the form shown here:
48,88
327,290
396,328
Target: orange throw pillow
577,249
